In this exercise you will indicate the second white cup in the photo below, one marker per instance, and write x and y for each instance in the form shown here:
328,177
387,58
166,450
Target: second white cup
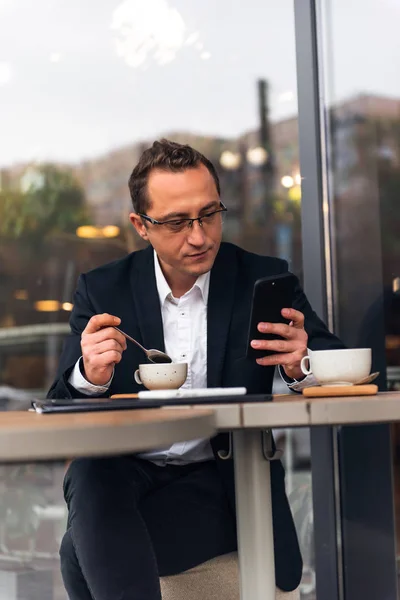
338,367
164,376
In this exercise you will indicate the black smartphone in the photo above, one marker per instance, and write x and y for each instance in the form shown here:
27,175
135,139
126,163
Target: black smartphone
270,295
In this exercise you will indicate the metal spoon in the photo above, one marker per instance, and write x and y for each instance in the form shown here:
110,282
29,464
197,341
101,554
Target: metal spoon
154,356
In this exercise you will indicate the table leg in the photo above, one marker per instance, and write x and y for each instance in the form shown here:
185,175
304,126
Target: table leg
254,517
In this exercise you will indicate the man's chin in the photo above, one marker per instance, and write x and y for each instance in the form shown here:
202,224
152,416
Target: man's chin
201,266
199,270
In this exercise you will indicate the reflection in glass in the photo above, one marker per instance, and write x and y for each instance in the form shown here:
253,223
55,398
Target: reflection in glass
363,105
76,113
145,27
33,519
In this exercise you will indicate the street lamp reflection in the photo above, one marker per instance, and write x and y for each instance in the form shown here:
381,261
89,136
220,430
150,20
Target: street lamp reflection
287,181
257,156
110,231
92,232
47,305
230,160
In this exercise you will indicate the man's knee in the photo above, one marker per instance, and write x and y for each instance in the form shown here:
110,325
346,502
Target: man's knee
67,551
87,475
72,575
103,477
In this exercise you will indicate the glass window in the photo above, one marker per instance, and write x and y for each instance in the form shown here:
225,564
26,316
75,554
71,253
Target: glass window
85,87
363,97
362,87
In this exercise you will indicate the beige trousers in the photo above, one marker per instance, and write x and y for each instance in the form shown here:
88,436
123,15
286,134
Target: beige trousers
216,579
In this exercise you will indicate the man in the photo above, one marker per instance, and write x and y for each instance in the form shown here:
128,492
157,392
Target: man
135,518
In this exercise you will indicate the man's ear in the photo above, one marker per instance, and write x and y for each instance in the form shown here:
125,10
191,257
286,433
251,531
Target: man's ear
138,224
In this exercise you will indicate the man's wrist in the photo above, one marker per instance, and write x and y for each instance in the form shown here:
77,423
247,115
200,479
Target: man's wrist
79,382
292,375
285,377
90,379
297,385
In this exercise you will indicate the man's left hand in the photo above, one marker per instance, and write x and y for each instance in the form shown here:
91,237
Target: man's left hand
291,349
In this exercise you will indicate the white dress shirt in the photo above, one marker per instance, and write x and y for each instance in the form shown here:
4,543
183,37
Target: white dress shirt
185,337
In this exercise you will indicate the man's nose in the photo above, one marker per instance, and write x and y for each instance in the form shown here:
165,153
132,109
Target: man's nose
196,235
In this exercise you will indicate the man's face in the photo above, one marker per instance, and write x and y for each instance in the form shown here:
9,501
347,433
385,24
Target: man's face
173,196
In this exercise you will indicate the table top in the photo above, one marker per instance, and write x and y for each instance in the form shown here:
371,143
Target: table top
295,410
27,436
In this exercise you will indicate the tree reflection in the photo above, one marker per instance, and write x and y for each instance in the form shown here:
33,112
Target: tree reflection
49,201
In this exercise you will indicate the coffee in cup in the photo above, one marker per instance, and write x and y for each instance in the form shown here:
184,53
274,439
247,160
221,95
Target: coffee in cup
161,376
338,367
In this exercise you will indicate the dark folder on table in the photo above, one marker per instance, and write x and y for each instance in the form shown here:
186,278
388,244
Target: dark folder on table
105,404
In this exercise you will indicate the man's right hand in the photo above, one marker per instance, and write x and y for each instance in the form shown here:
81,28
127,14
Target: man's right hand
102,348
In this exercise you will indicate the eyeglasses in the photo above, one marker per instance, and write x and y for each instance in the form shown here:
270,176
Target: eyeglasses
177,225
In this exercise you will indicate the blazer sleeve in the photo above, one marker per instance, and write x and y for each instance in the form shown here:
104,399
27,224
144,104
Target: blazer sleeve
83,310
319,336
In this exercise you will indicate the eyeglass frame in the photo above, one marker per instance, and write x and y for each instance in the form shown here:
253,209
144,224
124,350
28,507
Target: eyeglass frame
188,221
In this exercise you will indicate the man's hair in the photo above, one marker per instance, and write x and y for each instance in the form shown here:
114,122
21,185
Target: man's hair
165,156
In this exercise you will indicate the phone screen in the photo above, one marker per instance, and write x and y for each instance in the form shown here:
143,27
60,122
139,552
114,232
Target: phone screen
270,296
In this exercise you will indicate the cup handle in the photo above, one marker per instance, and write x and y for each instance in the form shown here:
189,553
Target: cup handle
137,377
303,365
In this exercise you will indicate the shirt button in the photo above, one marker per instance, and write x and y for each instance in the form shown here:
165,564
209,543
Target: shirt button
182,314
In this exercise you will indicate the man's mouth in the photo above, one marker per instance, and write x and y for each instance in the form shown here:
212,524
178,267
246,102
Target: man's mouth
198,255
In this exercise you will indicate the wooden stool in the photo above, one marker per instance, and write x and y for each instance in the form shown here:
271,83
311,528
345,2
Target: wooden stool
216,579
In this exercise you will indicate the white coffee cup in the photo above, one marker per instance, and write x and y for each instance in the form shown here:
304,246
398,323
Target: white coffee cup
161,376
338,367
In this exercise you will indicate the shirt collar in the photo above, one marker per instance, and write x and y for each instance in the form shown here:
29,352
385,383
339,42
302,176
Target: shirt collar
164,291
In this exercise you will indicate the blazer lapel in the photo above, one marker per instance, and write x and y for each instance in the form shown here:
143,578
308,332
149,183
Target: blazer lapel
219,311
220,306
146,301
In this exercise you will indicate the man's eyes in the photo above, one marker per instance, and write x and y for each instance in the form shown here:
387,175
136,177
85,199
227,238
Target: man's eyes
178,223
183,222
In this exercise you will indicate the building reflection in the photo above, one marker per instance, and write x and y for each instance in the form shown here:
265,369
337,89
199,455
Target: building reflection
76,219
